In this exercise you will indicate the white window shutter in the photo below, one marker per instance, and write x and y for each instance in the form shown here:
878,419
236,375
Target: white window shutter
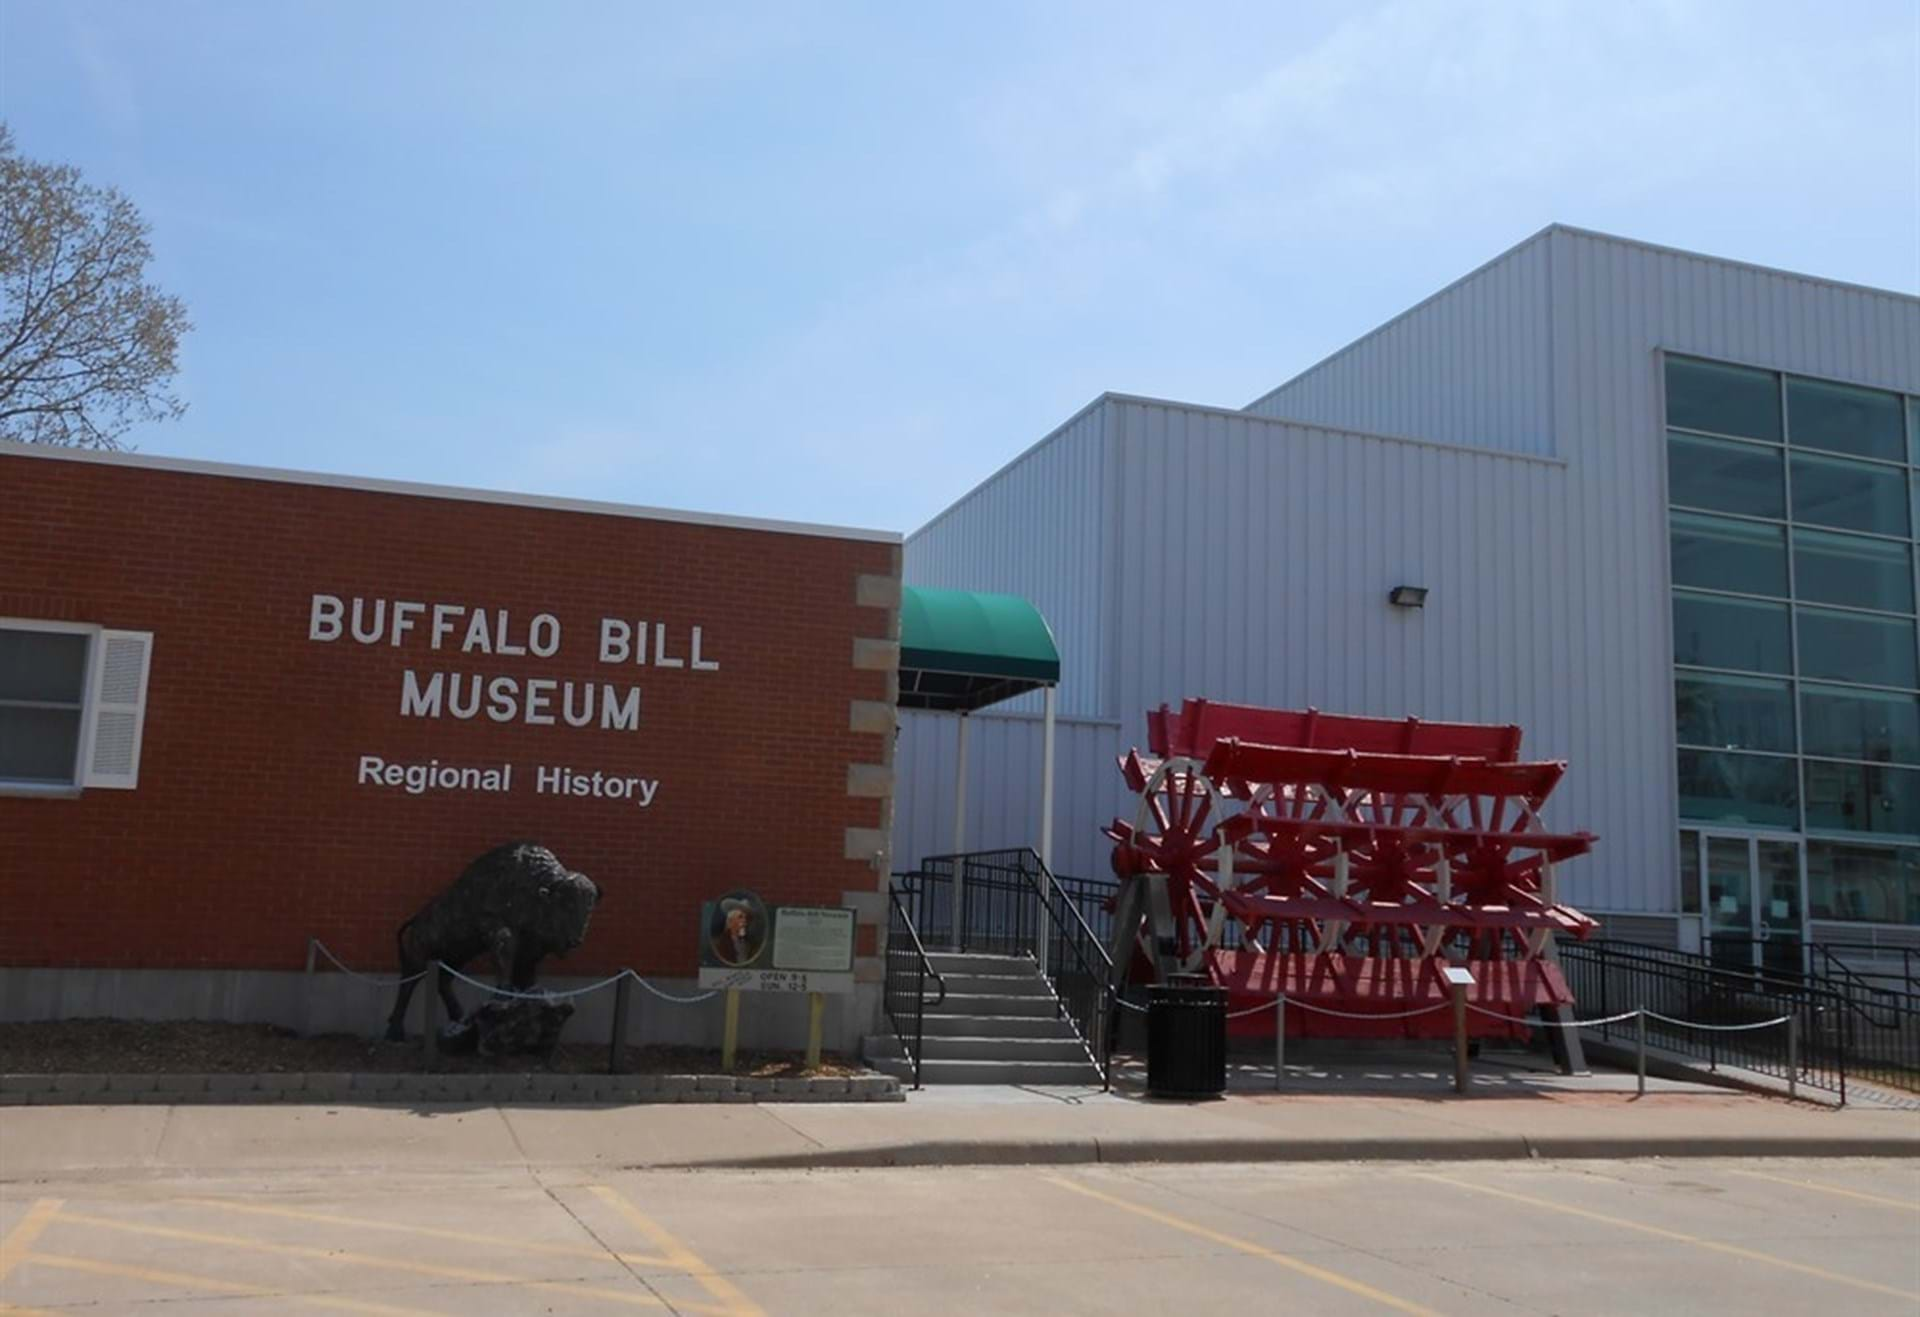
119,709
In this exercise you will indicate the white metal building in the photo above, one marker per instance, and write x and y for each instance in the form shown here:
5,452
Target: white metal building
1549,446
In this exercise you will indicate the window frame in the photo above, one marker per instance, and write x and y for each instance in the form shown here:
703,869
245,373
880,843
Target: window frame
89,706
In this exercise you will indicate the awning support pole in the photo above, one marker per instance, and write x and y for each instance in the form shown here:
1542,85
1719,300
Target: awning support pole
1041,925
960,839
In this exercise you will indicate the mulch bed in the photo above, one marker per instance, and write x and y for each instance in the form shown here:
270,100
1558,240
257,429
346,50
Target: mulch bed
130,1047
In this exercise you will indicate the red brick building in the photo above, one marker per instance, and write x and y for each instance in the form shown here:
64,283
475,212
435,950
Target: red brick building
241,708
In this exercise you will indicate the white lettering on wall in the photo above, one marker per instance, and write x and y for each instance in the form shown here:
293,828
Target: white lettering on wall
536,701
616,637
324,622
417,703
403,614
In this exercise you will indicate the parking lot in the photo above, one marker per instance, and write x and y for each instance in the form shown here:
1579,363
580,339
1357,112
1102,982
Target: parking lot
1696,1236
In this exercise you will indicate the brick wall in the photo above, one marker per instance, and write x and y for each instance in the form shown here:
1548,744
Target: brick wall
249,831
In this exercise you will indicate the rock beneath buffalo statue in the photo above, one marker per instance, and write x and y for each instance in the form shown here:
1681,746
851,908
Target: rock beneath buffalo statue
517,903
510,1027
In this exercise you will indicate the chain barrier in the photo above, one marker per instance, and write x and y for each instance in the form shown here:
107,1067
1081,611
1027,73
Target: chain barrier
1719,1028
708,995
542,995
1268,1005
321,947
1553,1024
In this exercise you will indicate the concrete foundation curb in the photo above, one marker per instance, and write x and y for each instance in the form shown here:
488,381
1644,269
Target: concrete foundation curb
1069,1152
386,1089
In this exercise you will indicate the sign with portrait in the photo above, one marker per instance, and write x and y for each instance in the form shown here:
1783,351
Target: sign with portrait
797,949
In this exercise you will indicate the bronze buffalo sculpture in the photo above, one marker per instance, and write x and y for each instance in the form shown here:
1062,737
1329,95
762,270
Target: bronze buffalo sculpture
517,903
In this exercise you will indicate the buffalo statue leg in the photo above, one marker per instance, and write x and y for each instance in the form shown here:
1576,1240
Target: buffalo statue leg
413,959
444,981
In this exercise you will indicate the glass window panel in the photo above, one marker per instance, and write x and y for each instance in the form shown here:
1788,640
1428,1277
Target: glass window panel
1725,475
1704,395
38,745
1913,431
1831,491
1689,872
1852,724
1846,569
1718,554
1862,798
1712,631
43,665
1844,419
1736,788
1850,647
1875,884
1734,713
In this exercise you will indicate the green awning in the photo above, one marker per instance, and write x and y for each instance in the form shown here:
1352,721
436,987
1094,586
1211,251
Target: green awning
961,650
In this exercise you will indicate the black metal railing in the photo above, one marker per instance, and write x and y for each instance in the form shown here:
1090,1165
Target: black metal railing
1877,965
1093,898
979,902
1813,1046
1006,903
905,990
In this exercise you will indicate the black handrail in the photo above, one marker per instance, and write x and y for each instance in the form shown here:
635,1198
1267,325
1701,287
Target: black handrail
905,991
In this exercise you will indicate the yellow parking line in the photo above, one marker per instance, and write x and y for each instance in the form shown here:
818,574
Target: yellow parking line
184,1281
364,1260
1245,1246
1826,1189
13,1249
1715,1245
431,1232
681,1256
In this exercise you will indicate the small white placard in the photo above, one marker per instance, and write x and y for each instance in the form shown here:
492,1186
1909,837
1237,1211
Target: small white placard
775,980
1458,976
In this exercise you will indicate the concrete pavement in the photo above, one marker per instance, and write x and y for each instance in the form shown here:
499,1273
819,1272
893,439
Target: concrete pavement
1707,1236
943,1127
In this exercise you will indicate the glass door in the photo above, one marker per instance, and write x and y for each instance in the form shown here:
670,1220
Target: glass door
1751,902
1776,907
1728,875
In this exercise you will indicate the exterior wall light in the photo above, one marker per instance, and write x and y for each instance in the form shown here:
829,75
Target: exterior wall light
1408,596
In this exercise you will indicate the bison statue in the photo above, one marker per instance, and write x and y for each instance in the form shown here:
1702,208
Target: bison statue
517,902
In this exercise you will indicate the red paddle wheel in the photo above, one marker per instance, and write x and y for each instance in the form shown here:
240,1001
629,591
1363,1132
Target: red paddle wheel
1343,862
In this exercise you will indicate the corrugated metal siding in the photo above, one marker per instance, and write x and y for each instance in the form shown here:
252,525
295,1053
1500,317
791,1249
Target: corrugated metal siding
1648,930
1038,529
1617,304
1003,787
1261,571
1256,555
1467,366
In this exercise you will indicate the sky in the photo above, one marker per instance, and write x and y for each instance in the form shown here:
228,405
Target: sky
840,262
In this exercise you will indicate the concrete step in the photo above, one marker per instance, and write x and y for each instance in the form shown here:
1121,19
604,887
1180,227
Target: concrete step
997,985
1065,1050
995,1026
975,962
991,1072
967,1003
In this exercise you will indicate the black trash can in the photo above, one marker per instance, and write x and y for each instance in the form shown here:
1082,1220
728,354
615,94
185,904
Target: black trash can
1186,1039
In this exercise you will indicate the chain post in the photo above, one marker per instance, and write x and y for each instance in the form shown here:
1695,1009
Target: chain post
1640,1049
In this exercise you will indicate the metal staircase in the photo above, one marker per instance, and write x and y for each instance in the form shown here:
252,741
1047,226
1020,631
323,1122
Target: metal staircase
999,1024
1017,991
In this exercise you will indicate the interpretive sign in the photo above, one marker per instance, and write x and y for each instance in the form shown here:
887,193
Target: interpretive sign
808,949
